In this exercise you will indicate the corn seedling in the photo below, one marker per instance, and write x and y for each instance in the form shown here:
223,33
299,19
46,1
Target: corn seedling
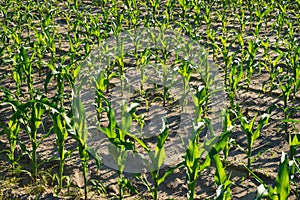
292,61
282,187
294,142
226,56
143,61
220,143
60,128
207,17
109,66
221,179
235,77
154,4
273,71
192,161
185,69
120,145
200,101
286,89
12,131
100,85
80,133
32,114
166,82
250,62
251,132
157,158
183,5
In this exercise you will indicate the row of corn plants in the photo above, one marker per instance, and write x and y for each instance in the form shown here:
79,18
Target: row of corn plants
48,42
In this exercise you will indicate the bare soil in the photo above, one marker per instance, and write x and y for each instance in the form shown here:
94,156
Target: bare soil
272,142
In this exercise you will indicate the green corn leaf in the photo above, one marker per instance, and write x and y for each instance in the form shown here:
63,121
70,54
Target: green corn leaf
295,141
220,176
76,71
160,155
251,125
126,119
162,137
128,185
282,187
222,141
239,77
169,172
139,141
233,71
206,163
95,156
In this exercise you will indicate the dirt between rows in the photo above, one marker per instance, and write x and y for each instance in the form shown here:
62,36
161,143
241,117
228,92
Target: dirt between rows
272,142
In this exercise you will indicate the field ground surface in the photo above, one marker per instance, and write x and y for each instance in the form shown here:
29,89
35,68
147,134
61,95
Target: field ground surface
253,47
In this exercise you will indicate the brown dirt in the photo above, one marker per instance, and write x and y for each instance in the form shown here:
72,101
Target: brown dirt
271,143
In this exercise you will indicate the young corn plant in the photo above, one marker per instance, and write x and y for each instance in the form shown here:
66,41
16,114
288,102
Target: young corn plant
143,62
12,131
185,69
282,187
192,161
292,61
169,10
235,77
251,132
252,51
294,143
122,149
280,20
273,71
286,86
200,101
166,81
79,131
133,12
227,128
259,20
23,70
154,4
266,47
75,46
60,128
32,115
100,85
195,150
157,158
120,64
242,20
211,36
117,27
61,74
184,6
109,66
226,57
222,180
215,146
222,17
119,144
140,119
207,17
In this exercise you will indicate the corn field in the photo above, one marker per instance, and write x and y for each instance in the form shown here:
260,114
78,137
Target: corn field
59,59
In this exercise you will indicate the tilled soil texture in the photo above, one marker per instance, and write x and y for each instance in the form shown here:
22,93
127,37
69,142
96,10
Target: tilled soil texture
44,44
